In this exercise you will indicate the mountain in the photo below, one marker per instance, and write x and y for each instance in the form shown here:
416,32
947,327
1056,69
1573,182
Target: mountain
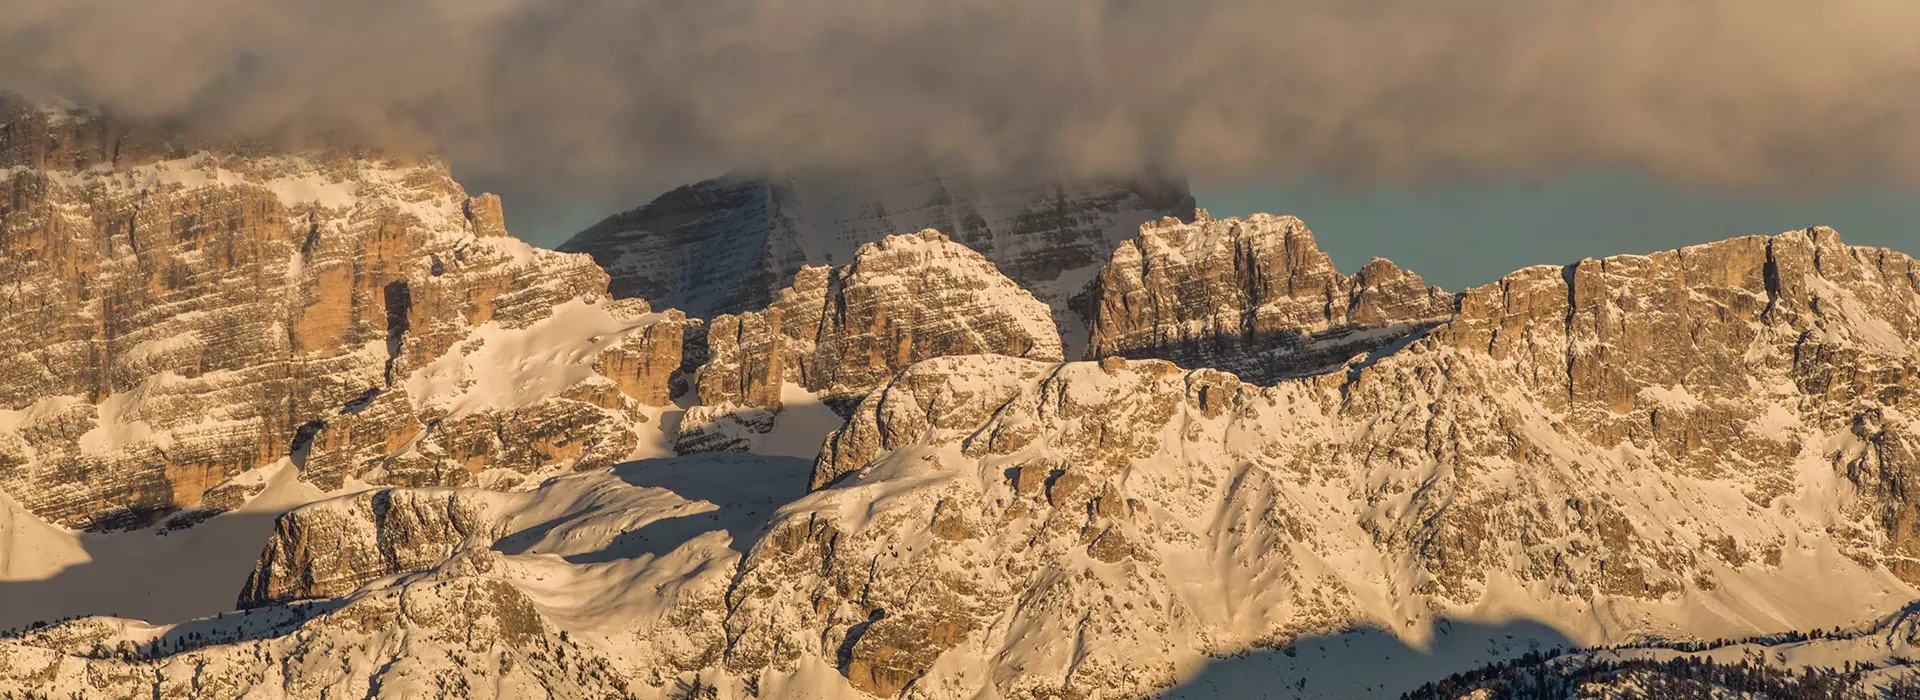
597,584
727,245
178,314
840,333
1255,297
1677,446
292,421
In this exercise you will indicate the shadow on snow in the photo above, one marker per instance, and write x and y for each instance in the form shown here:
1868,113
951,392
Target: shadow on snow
1364,663
745,489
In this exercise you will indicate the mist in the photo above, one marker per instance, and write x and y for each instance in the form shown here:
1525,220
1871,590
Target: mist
559,95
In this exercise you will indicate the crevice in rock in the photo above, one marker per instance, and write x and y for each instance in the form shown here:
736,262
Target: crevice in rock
360,403
399,300
1568,274
844,657
303,442
313,238
1771,277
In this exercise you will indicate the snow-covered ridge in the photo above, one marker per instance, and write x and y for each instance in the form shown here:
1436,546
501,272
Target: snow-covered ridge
405,591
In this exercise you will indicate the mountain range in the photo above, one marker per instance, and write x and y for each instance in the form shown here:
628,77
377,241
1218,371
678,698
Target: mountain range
290,420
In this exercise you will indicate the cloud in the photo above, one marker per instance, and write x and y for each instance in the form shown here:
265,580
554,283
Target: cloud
1717,93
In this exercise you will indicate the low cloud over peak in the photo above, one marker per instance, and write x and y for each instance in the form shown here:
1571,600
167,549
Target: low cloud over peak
1718,93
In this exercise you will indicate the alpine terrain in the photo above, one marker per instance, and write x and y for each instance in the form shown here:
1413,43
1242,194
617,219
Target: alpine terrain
302,420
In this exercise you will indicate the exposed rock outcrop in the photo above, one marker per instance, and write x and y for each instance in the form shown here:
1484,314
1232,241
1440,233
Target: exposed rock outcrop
328,549
463,634
842,332
1255,297
172,314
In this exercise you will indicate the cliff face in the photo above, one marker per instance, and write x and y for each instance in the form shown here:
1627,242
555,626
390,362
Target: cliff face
842,332
728,245
1255,297
172,314
327,550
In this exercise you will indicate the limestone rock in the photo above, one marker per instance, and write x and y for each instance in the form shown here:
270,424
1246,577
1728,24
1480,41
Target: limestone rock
174,315
328,549
1624,435
986,524
1255,297
842,332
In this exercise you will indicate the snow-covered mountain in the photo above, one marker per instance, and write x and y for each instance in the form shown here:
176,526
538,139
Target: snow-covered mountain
1255,297
728,245
1675,446
304,422
175,315
840,333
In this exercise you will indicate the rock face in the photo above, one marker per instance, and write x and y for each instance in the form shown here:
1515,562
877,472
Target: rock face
328,549
172,315
1255,297
728,245
1631,440
842,332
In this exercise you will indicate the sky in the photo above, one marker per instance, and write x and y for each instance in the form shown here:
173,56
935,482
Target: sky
1373,115
1460,235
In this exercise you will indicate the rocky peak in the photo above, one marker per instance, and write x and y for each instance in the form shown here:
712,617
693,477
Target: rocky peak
842,332
1254,296
172,320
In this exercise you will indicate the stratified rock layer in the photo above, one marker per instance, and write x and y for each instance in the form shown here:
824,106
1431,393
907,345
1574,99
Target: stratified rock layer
171,316
728,245
842,332
1255,297
328,549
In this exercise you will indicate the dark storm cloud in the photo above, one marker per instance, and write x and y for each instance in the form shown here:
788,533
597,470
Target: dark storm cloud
1730,93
